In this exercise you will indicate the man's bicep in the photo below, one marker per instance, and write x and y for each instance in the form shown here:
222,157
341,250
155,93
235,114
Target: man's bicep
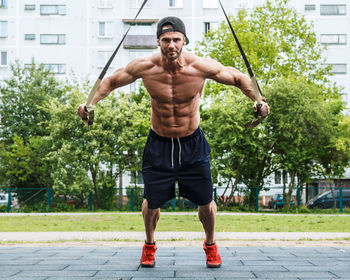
226,75
122,77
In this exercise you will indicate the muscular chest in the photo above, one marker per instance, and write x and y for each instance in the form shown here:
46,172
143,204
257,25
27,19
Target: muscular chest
177,87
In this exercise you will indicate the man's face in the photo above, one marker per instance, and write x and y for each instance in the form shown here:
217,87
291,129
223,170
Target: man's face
171,44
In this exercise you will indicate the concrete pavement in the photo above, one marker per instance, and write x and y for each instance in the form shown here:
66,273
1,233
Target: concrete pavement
120,260
54,263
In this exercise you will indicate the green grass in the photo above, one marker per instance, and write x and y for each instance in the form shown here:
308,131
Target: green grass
124,222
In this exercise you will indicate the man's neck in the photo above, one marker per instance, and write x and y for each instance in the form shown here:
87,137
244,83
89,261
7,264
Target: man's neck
172,65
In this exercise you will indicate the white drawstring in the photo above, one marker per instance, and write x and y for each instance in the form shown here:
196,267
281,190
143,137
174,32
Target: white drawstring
172,153
178,140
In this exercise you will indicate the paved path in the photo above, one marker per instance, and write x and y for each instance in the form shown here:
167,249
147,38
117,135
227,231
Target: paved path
159,235
54,262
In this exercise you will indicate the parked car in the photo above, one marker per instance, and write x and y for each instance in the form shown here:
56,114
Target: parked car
325,200
4,199
67,199
277,201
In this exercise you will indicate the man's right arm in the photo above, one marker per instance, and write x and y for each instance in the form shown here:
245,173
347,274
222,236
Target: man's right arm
121,77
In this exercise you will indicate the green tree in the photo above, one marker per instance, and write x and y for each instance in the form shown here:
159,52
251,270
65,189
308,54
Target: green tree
91,159
238,154
25,98
277,40
299,127
334,149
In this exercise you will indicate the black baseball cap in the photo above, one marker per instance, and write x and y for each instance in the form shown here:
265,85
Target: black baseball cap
177,26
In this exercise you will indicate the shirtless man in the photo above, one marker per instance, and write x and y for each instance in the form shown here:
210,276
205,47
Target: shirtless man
176,149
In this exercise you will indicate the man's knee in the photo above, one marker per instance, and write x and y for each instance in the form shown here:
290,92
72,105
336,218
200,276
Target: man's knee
148,211
208,208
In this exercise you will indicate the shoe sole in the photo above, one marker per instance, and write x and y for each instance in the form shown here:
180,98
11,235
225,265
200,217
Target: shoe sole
213,265
148,265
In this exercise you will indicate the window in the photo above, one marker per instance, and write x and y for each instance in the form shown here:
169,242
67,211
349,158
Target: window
338,68
53,39
102,58
175,3
328,196
29,7
3,3
333,39
346,193
309,8
210,4
278,177
136,177
3,29
105,29
29,37
210,26
46,10
3,58
105,4
136,4
333,10
56,68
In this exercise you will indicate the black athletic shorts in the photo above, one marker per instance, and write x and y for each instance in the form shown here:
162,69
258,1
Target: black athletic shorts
185,160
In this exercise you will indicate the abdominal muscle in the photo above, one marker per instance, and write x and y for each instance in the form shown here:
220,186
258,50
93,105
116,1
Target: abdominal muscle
173,119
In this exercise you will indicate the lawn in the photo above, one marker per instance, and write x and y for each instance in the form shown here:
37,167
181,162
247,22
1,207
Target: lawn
134,222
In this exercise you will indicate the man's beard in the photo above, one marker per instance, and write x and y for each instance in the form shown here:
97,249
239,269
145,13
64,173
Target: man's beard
172,58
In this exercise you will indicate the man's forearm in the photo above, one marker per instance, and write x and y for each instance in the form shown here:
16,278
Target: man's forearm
103,91
246,86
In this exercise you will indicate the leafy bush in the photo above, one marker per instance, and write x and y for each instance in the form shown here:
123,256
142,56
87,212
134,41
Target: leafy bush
63,207
39,207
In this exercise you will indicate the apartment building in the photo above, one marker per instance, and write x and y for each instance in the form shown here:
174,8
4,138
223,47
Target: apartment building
80,35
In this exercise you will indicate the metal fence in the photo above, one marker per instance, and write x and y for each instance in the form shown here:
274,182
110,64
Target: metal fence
130,199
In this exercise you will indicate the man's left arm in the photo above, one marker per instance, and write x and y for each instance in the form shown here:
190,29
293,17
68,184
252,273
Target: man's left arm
230,76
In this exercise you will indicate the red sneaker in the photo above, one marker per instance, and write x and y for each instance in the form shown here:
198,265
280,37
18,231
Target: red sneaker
213,256
148,255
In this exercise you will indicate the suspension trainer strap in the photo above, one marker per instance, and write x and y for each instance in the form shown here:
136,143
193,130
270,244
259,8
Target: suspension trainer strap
257,91
88,107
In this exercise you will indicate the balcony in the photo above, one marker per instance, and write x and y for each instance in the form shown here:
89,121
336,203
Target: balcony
140,42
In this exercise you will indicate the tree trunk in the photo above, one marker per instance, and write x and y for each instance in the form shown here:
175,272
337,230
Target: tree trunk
290,190
331,186
233,189
284,179
94,181
120,190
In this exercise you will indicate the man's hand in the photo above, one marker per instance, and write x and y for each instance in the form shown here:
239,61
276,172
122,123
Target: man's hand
264,109
81,111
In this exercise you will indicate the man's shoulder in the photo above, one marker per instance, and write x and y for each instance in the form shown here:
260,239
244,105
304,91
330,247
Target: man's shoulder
141,64
191,58
203,64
